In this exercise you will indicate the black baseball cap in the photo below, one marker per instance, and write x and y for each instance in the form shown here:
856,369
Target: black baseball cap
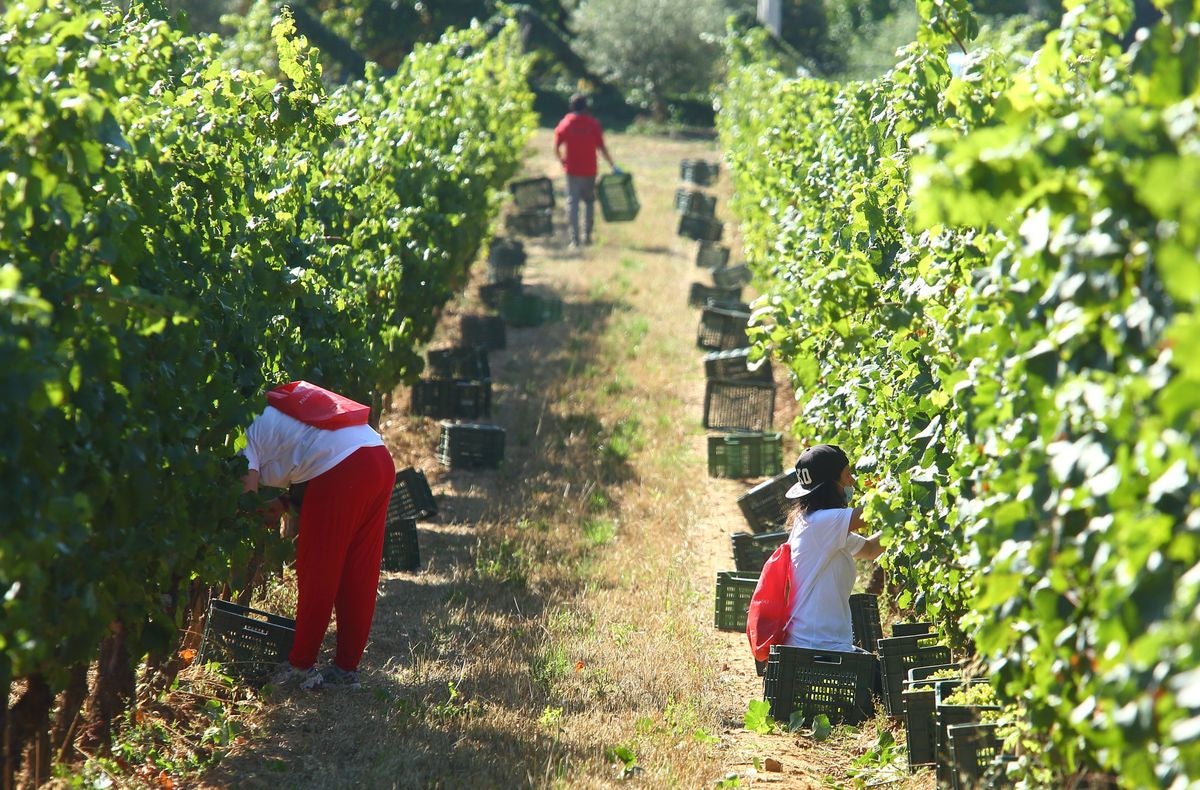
817,466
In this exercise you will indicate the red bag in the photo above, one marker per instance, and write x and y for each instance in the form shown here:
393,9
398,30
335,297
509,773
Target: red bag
770,606
317,407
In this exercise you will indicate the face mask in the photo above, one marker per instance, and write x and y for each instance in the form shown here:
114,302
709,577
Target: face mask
849,492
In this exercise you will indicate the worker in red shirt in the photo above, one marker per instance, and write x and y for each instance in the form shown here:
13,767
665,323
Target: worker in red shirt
580,135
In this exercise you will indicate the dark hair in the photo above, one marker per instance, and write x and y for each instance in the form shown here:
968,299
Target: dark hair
826,497
578,103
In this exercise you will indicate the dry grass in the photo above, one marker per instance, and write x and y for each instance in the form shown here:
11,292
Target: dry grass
565,604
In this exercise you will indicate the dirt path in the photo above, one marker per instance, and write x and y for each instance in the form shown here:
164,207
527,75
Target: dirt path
560,630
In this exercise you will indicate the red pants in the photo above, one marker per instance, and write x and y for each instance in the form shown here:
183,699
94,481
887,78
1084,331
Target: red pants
338,553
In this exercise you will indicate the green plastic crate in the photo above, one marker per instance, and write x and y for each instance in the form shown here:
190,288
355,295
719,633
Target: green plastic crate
897,655
698,171
765,507
721,329
528,309
734,591
731,276
689,201
946,716
972,748
741,455
534,222
618,200
533,193
711,255
248,643
400,549
864,621
815,682
751,551
699,227
734,365
918,703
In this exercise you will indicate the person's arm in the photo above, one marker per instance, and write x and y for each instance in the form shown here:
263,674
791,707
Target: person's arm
871,548
273,509
559,140
602,148
857,524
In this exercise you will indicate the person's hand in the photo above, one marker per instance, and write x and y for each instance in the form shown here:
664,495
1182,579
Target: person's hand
289,526
617,171
274,510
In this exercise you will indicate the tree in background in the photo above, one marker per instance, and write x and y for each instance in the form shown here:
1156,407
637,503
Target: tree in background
653,49
347,32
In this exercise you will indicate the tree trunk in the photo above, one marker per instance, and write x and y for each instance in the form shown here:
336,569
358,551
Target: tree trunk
113,692
253,574
66,724
29,736
6,684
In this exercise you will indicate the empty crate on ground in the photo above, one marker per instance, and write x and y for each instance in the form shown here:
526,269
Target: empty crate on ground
864,621
537,222
700,294
618,200
765,507
711,255
698,171
731,276
248,643
700,227
820,682
523,309
532,193
459,362
750,551
690,201
742,455
412,497
734,591
484,331
734,365
401,551
722,329
452,399
739,405
506,260
470,445
492,294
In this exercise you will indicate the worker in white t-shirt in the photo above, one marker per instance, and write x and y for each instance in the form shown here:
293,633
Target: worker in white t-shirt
311,435
825,542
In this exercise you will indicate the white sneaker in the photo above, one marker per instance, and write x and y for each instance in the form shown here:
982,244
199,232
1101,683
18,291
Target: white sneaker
304,679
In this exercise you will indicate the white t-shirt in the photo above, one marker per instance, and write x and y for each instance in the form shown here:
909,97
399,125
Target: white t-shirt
286,451
823,572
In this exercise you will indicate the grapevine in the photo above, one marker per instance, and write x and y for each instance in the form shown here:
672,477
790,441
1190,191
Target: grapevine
984,281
